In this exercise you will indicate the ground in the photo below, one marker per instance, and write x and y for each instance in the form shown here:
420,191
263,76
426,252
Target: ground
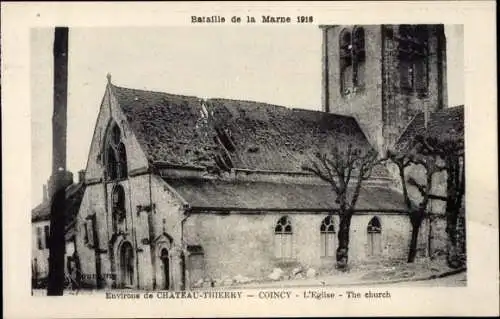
423,273
456,280
386,273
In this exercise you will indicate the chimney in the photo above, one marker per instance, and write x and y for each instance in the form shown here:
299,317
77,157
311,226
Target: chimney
59,118
45,194
81,176
55,278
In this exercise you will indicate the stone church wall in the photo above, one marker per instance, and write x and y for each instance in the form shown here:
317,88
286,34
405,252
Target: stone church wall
366,103
243,243
136,229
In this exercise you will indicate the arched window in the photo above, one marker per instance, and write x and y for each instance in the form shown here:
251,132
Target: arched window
346,63
359,57
122,160
111,164
118,207
413,58
116,155
352,59
283,238
374,230
327,234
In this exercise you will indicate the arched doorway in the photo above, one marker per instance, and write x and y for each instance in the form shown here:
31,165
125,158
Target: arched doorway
126,265
165,264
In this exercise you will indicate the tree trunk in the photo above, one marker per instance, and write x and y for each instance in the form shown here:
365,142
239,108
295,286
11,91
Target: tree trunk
343,248
430,238
416,222
451,230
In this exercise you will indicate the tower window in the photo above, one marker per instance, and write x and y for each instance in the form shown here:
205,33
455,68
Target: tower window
116,155
283,238
413,58
352,59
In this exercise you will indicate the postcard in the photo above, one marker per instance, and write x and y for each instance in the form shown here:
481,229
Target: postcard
262,159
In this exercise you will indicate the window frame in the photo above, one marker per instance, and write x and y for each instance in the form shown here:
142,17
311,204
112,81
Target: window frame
352,54
115,156
329,231
413,49
283,239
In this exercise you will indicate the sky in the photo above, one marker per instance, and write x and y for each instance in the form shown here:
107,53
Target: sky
278,64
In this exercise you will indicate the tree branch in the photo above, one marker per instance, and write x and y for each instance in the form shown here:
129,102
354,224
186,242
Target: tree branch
421,188
438,197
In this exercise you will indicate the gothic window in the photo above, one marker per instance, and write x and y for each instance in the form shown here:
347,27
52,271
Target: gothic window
413,58
283,238
116,155
352,59
374,230
327,233
46,230
359,56
118,207
345,61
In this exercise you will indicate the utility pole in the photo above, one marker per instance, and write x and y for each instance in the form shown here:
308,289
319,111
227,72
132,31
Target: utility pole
58,180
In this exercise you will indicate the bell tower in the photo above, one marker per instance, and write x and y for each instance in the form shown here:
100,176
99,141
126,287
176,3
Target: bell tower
383,75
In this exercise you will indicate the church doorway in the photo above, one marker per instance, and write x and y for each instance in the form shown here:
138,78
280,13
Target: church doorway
127,265
165,263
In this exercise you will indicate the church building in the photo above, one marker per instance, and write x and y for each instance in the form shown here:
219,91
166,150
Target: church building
179,189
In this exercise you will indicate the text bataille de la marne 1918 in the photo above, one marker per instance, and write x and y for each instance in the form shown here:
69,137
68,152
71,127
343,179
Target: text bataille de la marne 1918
267,19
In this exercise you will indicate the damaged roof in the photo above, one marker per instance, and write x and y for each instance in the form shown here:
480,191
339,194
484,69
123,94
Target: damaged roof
271,137
186,130
444,125
170,128
205,194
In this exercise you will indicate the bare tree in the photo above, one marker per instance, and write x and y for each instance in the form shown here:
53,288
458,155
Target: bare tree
338,168
417,209
452,154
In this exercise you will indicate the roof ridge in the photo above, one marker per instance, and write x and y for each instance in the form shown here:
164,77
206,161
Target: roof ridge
156,92
258,103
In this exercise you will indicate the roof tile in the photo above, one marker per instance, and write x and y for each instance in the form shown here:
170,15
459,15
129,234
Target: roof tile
176,129
444,125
